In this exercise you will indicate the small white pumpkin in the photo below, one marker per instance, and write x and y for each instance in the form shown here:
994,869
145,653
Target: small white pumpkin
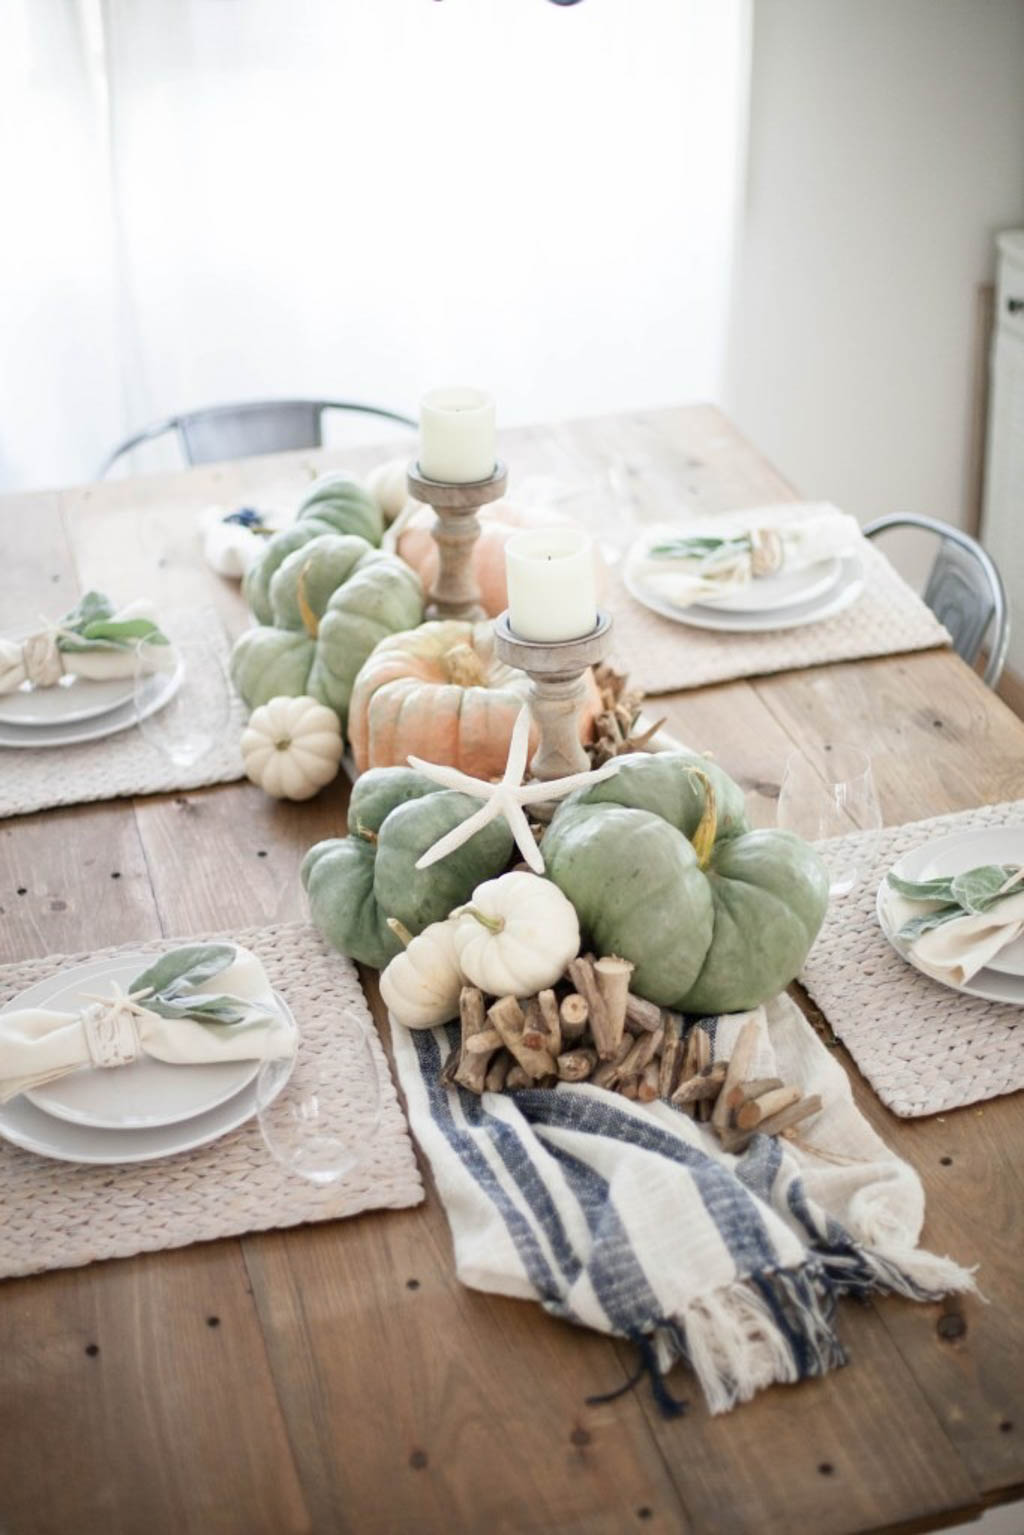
291,747
516,935
421,986
389,487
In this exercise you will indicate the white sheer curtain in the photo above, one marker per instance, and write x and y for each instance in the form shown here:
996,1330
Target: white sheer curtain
365,197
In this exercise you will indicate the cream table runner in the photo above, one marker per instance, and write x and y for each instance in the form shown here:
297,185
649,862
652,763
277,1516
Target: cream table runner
663,657
922,1047
126,763
59,1215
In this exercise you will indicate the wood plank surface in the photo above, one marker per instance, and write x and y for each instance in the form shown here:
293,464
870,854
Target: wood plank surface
351,1383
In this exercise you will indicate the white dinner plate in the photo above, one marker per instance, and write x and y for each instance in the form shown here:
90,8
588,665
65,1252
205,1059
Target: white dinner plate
22,1123
159,690
773,594
68,701
143,1095
844,590
1002,980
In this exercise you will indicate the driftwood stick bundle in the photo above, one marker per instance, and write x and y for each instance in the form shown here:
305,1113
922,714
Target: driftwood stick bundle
740,1062
508,1018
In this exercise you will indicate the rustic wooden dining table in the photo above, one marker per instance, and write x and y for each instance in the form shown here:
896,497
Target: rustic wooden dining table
337,1376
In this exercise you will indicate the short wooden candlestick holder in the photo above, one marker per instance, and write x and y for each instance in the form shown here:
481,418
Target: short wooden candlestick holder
556,668
455,593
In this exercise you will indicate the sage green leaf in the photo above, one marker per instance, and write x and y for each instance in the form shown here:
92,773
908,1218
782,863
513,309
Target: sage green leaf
930,919
696,548
90,608
201,1007
978,889
124,631
186,967
922,890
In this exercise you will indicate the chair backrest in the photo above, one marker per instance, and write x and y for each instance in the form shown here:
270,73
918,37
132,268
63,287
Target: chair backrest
256,426
965,591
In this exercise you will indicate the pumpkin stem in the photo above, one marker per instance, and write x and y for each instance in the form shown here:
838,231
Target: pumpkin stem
365,833
703,839
492,924
309,618
463,667
400,931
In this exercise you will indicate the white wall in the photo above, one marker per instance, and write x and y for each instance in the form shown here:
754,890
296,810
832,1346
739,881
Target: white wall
886,149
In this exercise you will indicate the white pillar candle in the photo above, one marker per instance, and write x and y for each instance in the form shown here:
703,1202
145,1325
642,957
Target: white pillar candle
457,436
551,591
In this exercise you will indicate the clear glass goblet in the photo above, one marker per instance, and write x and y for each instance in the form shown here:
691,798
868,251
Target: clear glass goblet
319,1119
828,791
196,715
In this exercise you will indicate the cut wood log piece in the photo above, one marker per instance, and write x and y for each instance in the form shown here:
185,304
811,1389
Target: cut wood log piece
647,1090
641,1014
497,1072
670,1055
612,975
507,1017
573,1014
472,1068
740,1062
607,1073
752,1111
576,1065
606,1037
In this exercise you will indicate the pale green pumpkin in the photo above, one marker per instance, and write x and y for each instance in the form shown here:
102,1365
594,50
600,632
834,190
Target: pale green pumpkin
663,869
335,503
356,883
330,602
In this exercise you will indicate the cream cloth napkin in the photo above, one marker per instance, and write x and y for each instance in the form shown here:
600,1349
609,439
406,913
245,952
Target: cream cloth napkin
732,550
959,948
42,660
38,1045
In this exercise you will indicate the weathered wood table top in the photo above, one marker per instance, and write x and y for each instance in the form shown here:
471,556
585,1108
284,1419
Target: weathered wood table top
338,1377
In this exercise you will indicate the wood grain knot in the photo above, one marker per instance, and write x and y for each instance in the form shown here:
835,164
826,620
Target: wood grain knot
412,1284
92,1349
418,1459
951,1326
826,1468
580,1436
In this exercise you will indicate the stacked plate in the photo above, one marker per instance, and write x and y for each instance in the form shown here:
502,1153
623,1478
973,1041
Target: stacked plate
131,1113
786,601
80,709
1002,979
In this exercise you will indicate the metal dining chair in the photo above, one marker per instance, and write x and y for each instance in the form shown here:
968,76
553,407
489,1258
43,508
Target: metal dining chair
240,431
965,591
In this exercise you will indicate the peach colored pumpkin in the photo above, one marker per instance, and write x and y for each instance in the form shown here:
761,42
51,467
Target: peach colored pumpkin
441,693
498,522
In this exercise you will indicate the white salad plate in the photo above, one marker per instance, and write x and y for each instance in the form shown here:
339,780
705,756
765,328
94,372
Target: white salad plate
774,593
1002,979
68,701
159,690
844,589
27,1126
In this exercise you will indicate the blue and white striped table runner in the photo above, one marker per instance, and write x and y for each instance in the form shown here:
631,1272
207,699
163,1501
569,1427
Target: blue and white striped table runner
629,1218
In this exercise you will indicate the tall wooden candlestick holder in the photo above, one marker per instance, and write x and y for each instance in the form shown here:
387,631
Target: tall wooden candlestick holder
455,593
556,668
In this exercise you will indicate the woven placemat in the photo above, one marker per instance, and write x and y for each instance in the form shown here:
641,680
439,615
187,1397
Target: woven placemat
126,763
60,1215
922,1047
664,657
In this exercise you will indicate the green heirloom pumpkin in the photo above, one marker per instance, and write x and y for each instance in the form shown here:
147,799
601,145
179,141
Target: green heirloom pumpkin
330,602
335,503
356,883
663,869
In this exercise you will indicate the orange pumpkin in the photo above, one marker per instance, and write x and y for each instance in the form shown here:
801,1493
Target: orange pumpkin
440,692
498,522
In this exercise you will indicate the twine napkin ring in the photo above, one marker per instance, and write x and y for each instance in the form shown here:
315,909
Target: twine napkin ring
766,551
41,659
111,1035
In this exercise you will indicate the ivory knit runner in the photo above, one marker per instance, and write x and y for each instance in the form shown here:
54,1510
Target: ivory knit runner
126,763
59,1215
922,1047
662,656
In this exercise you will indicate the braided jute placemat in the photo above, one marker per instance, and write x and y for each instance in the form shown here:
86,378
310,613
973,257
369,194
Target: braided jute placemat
663,657
923,1047
126,763
61,1215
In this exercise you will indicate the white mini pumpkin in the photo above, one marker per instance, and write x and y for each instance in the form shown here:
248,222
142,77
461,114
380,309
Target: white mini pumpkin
291,747
389,487
421,985
516,935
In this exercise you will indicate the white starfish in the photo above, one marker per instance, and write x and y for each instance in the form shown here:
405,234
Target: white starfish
506,797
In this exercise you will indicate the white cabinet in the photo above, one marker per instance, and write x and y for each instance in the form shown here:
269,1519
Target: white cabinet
1003,522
